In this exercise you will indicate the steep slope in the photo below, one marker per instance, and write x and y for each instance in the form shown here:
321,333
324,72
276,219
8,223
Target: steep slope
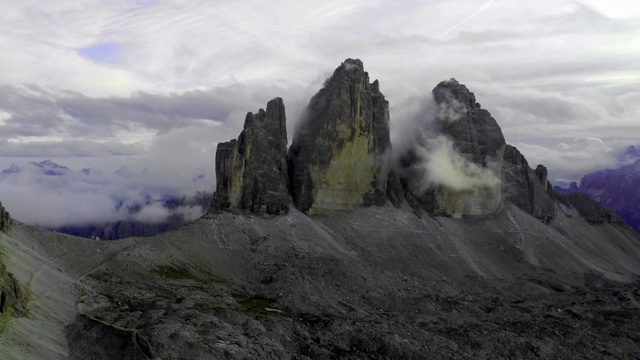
371,283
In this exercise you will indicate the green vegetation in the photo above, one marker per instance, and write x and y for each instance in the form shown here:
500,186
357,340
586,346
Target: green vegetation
177,272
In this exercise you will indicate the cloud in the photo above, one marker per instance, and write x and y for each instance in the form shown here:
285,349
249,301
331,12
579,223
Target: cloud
442,165
66,148
439,163
571,160
101,53
74,197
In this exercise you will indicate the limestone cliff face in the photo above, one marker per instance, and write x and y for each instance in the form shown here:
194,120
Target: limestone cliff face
338,159
527,188
251,172
477,137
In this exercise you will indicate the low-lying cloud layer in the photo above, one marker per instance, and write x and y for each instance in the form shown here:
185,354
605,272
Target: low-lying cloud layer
53,196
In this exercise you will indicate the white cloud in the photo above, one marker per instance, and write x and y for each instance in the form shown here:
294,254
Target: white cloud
442,165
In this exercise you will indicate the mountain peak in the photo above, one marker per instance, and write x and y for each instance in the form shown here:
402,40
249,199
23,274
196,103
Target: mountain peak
13,169
449,91
251,172
336,160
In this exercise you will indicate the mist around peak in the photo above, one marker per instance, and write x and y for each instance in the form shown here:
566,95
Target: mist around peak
418,131
53,196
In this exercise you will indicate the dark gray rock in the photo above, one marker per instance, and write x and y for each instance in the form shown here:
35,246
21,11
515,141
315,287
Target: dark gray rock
476,136
589,209
527,188
474,131
395,192
12,300
5,219
251,172
339,156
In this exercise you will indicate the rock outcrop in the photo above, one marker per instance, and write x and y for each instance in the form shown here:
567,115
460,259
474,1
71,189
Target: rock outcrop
251,172
5,219
527,188
477,137
589,209
339,156
12,301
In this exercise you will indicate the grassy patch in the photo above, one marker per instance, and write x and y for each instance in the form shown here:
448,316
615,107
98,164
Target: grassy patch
176,273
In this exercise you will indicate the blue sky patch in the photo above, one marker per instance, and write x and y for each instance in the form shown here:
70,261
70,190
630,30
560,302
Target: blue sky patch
101,53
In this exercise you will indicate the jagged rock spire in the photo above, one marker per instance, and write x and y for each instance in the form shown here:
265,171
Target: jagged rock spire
251,172
338,159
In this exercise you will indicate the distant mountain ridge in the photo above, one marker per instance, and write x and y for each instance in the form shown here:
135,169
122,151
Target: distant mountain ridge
617,189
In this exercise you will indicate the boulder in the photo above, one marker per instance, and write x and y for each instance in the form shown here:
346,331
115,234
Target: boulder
251,172
339,156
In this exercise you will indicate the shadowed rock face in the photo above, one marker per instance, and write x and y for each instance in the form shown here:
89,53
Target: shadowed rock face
527,188
338,159
251,172
474,132
477,137
12,301
5,219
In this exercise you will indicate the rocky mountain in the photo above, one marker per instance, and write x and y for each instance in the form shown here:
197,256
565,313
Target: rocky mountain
616,189
382,271
252,171
339,156
46,167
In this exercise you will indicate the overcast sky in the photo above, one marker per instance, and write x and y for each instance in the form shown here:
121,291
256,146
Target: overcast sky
102,84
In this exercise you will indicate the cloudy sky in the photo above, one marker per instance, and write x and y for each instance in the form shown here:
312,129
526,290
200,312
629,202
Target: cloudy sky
102,84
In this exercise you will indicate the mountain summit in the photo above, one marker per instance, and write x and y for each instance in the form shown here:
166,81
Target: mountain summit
339,158
456,164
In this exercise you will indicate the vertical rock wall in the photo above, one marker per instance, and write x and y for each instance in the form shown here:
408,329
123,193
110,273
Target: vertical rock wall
339,156
527,188
251,172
